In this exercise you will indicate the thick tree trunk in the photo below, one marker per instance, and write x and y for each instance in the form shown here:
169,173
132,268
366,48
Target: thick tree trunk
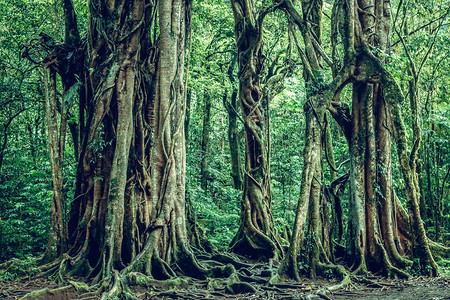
373,245
357,221
129,208
257,235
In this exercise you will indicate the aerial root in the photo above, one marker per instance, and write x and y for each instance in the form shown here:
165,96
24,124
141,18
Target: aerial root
340,272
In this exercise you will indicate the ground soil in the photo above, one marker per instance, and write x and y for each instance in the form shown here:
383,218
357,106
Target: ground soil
416,288
361,288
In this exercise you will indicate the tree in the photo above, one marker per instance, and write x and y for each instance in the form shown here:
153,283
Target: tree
377,232
56,130
133,152
129,206
234,135
319,95
257,235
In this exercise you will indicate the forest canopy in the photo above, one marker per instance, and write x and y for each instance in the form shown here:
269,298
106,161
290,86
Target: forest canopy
150,142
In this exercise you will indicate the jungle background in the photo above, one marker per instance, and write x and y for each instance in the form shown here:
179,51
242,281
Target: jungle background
213,120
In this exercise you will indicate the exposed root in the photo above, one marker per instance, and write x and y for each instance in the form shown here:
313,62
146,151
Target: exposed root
240,288
394,272
25,269
389,268
113,286
253,241
62,269
338,271
149,270
135,278
439,251
288,267
361,269
61,292
231,259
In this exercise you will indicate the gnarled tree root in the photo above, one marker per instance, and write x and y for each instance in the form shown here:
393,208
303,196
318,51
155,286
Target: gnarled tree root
338,271
61,292
251,240
149,270
439,251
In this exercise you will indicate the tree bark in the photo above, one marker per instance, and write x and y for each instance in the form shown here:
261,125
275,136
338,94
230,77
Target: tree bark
319,95
57,240
233,131
205,139
257,235
129,208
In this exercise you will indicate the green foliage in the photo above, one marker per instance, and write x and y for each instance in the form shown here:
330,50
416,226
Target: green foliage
218,208
25,175
24,211
219,217
18,268
287,136
444,267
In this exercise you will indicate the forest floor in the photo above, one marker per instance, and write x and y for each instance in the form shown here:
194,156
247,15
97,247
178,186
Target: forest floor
378,288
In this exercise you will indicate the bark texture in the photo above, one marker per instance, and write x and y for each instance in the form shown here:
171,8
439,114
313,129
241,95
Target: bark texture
129,214
310,240
57,240
257,235
381,234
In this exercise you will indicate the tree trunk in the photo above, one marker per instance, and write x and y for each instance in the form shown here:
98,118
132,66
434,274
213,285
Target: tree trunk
57,240
205,139
257,235
373,246
311,212
233,131
129,207
357,221
188,115
63,59
377,230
